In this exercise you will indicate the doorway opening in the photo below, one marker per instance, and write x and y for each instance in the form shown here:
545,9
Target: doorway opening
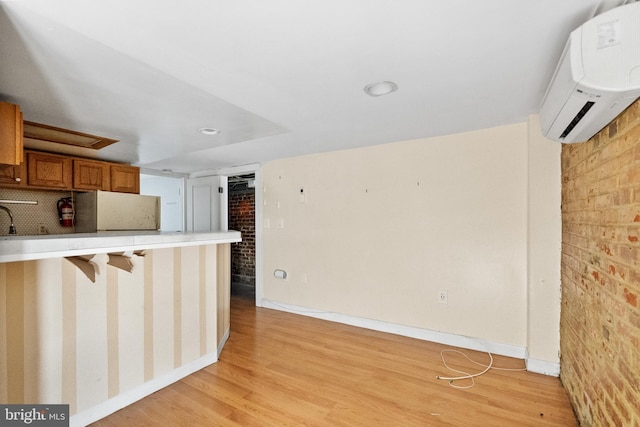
242,217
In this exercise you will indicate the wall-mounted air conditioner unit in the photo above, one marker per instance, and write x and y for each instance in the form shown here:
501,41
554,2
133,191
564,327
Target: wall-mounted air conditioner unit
597,78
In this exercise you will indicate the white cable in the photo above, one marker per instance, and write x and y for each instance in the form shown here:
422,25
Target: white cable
467,375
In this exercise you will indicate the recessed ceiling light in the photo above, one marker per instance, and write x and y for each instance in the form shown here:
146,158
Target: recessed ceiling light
208,131
380,88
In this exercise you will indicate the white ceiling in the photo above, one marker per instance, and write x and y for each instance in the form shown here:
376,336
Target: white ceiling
278,78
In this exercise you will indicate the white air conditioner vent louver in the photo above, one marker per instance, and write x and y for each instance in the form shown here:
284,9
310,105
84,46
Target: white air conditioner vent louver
598,76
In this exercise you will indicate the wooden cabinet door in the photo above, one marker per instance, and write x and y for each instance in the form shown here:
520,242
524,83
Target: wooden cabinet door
90,175
125,179
13,176
49,170
11,146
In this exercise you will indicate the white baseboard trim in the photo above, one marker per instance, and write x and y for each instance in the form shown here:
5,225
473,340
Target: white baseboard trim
543,367
407,331
225,337
122,400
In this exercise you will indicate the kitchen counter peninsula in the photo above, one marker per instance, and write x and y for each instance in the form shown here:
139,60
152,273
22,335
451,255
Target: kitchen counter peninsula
26,248
100,320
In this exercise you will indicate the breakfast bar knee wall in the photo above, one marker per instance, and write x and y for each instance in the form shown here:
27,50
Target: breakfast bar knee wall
68,340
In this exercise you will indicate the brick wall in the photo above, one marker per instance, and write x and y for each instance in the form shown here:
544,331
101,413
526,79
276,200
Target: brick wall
600,316
243,255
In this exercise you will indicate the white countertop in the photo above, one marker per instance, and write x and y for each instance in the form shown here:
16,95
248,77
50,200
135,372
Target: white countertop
25,248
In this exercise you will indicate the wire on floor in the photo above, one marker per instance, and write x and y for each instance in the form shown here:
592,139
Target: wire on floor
466,375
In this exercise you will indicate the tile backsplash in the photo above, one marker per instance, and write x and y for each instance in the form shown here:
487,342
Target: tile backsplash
28,218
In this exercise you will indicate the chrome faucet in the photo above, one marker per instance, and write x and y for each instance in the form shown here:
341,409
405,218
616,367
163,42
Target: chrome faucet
12,228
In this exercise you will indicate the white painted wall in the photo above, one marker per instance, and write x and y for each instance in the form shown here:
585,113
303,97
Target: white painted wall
379,231
255,169
545,235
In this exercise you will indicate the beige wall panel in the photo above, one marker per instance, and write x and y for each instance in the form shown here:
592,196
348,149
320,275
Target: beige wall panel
131,325
210,303
148,317
113,343
177,307
223,277
383,229
43,323
3,333
69,332
190,261
163,303
202,298
32,338
15,332
92,346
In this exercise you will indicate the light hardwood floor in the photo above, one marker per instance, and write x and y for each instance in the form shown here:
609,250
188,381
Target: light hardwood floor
281,369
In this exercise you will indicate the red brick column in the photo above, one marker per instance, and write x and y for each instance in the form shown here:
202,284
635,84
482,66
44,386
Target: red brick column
243,254
600,317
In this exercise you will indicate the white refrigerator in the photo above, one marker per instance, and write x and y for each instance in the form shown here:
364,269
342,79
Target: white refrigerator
105,211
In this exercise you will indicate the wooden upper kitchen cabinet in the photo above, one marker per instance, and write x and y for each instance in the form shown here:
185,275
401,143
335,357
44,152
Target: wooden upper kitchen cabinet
11,131
125,179
49,170
13,175
91,175
42,171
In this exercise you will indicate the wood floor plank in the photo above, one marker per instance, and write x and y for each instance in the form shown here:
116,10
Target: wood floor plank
282,369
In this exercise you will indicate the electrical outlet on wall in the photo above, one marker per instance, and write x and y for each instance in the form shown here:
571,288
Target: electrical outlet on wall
443,297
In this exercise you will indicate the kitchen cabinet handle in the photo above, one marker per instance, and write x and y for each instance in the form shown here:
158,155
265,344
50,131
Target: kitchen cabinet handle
18,179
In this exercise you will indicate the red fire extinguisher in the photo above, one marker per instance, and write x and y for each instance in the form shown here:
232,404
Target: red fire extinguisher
65,212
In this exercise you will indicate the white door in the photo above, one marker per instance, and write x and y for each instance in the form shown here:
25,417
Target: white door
207,203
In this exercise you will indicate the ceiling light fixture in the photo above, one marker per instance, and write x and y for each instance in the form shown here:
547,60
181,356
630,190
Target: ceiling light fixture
380,88
208,131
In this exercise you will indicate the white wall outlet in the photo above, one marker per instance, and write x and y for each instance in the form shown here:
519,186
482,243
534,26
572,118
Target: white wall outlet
280,222
443,297
42,229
